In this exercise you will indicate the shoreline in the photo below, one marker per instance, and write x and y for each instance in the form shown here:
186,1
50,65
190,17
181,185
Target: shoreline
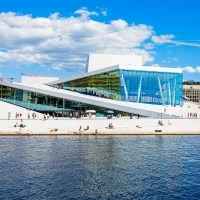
122,126
6,133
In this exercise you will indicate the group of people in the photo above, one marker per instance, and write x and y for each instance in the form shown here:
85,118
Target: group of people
192,115
85,129
21,125
131,116
17,115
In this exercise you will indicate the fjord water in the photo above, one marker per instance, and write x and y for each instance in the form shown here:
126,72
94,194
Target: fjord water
124,167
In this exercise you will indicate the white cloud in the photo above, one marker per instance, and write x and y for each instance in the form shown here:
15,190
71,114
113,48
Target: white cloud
189,69
65,42
162,38
148,46
104,13
84,13
198,69
155,65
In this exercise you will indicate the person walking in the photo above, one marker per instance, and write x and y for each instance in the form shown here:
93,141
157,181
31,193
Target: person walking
9,115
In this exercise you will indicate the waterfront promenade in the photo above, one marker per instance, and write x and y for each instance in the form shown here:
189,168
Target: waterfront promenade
100,126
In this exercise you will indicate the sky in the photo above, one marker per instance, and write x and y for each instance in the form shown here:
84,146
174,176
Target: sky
55,37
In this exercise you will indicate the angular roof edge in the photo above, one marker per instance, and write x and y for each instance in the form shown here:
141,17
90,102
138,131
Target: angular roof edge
84,75
115,67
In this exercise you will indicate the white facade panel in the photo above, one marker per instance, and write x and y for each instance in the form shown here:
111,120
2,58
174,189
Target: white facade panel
37,79
100,61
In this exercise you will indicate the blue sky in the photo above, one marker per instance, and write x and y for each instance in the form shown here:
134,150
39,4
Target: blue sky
55,37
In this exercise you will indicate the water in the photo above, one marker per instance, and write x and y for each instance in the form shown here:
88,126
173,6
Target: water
125,167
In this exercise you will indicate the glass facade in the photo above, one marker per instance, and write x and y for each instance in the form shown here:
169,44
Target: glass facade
103,85
161,88
152,87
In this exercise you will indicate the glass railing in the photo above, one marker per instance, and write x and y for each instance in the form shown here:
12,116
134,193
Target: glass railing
95,92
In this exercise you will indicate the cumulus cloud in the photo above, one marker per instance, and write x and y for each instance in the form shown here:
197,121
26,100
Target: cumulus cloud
198,69
189,69
65,42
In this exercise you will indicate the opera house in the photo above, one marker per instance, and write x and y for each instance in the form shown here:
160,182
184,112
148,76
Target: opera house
111,82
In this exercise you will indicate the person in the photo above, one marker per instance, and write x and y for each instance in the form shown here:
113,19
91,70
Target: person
22,125
29,116
53,115
33,115
87,128
54,129
109,116
16,125
160,123
9,115
138,116
80,129
169,123
110,126
77,115
45,117
96,131
70,115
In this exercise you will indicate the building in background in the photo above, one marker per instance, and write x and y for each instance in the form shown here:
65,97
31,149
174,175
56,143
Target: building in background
192,93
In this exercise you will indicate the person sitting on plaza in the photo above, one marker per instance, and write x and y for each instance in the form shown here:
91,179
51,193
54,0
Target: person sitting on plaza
169,123
80,129
16,125
87,128
54,129
22,125
160,123
96,131
110,126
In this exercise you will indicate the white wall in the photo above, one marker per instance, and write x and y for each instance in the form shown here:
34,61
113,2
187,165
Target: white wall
37,79
100,61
